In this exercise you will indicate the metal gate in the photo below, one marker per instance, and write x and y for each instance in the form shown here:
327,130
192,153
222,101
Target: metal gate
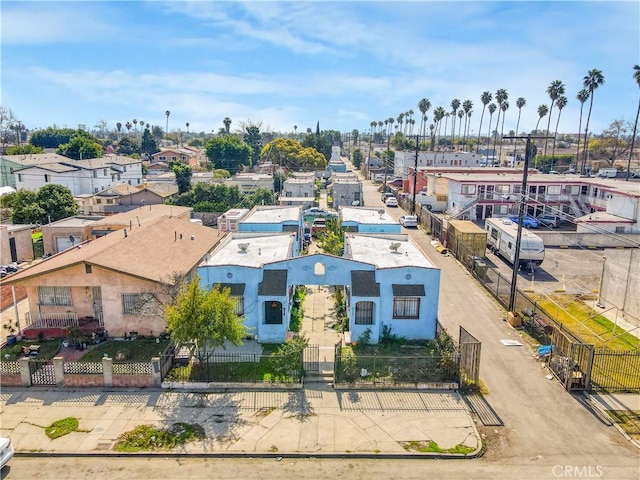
469,360
42,372
571,362
311,359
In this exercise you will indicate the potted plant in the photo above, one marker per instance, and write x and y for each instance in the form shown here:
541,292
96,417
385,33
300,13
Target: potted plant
11,328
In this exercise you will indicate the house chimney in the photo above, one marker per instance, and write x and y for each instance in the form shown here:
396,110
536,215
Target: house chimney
125,233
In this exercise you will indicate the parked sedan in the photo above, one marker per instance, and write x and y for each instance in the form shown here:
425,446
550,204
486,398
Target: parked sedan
409,221
6,451
391,202
527,221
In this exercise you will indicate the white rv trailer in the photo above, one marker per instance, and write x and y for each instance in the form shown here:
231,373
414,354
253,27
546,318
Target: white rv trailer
501,239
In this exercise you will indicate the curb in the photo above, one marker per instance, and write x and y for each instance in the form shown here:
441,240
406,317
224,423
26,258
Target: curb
277,456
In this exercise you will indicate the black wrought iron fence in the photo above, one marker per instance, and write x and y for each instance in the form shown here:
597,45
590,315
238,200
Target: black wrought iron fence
237,368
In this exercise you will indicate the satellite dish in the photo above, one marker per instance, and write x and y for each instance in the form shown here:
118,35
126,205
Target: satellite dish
394,247
243,247
381,212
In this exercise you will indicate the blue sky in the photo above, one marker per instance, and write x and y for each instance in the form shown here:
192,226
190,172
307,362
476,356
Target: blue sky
341,63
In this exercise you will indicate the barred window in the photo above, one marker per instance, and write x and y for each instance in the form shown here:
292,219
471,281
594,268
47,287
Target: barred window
54,296
406,307
239,310
364,313
139,304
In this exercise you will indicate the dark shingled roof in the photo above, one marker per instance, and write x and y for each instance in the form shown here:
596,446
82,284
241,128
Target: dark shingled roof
274,282
363,283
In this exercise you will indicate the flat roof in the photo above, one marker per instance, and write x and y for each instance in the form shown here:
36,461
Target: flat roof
366,215
376,249
260,249
77,221
273,214
610,184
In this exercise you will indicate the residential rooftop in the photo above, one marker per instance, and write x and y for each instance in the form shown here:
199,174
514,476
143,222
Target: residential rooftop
144,215
273,214
153,251
77,221
252,250
366,216
381,251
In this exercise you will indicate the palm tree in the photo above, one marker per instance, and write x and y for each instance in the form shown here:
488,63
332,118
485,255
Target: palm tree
582,97
409,115
128,127
501,96
227,124
438,115
119,128
166,130
135,125
592,80
485,98
542,111
380,124
391,122
373,127
446,121
554,90
467,105
455,105
142,124
561,102
504,107
424,105
187,125
520,102
400,119
386,124
461,115
636,76
492,109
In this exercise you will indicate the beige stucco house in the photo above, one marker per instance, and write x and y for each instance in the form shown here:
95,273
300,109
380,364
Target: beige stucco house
120,279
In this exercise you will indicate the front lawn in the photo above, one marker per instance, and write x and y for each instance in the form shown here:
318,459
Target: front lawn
48,350
140,350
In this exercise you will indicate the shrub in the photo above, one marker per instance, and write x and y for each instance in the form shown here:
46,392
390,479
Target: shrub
286,361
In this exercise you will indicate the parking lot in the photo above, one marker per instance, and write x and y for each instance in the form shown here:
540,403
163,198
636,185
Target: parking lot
574,270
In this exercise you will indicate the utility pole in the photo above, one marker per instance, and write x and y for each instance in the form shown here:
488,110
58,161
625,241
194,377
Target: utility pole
521,207
386,160
415,176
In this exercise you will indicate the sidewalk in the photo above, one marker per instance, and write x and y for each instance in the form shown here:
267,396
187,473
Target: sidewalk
315,421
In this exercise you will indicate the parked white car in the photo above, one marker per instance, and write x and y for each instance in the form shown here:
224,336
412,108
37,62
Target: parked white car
6,451
391,202
409,221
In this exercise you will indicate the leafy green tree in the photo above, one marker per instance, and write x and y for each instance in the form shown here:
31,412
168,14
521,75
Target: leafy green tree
253,138
203,320
25,149
356,158
293,156
612,144
52,202
196,142
183,176
54,137
148,145
332,239
128,145
57,201
228,152
157,133
26,208
80,148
